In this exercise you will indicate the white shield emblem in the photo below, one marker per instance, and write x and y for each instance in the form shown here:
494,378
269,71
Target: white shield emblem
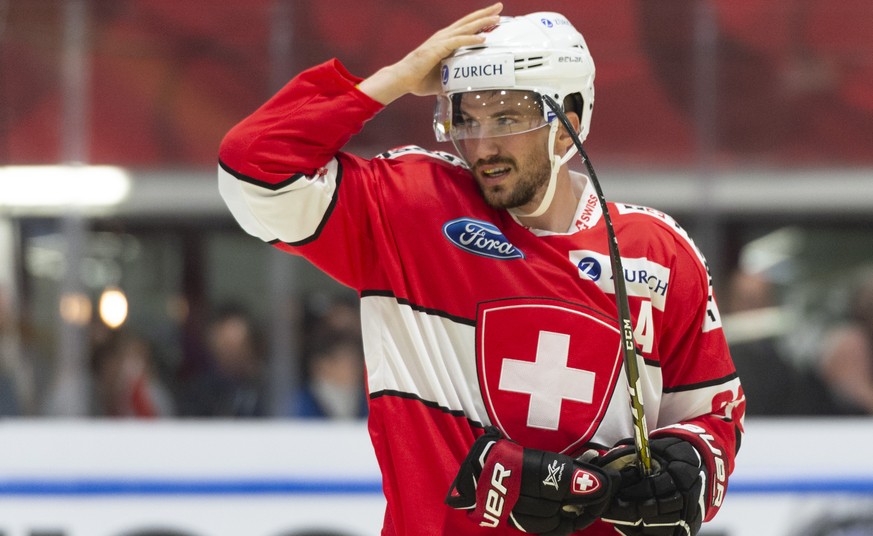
547,370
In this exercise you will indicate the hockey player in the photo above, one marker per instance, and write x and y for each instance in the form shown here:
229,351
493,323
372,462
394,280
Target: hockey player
497,394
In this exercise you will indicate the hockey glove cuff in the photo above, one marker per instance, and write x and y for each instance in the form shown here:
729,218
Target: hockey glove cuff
535,491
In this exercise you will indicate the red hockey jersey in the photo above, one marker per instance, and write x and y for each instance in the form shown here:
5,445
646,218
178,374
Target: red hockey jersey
471,319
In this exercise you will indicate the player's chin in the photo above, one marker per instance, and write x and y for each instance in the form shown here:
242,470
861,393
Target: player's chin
496,198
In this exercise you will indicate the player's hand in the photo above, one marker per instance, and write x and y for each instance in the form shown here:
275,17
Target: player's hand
535,491
669,502
418,71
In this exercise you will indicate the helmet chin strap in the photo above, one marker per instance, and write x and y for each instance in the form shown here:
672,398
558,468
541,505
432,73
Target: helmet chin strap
556,162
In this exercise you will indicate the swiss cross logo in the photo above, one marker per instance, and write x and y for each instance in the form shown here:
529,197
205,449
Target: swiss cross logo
584,482
547,369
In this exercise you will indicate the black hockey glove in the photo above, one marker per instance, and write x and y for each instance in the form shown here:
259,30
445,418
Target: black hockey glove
669,502
532,490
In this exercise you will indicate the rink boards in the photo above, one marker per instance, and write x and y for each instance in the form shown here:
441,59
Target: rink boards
275,478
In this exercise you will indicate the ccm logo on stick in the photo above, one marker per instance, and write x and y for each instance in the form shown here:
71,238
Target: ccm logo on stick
496,497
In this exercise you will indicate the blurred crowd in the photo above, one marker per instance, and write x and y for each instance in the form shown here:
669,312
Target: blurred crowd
790,363
333,364
224,372
802,359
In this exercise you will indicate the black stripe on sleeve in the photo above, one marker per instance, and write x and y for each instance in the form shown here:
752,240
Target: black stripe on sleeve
262,184
327,213
701,385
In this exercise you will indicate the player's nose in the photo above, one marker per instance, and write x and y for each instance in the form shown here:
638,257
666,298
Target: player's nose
481,149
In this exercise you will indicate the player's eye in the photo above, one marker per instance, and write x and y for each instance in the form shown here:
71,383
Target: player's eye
505,121
466,123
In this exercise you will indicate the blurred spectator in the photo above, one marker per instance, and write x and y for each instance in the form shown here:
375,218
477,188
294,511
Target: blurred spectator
333,313
334,379
754,324
10,360
125,380
232,384
748,291
333,361
846,364
8,398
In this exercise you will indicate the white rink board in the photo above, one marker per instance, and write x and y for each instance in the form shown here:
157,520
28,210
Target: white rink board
271,478
200,478
792,474
192,516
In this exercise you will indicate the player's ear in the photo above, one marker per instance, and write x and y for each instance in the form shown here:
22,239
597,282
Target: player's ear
563,141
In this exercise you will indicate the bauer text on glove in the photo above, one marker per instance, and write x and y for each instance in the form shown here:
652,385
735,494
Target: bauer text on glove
501,482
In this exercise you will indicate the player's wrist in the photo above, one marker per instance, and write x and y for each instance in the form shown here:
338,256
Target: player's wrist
384,86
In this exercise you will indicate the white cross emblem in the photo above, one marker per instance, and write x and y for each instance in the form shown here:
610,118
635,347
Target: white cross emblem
584,483
548,380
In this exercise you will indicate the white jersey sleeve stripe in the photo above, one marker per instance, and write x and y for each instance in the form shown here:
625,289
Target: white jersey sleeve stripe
676,406
291,214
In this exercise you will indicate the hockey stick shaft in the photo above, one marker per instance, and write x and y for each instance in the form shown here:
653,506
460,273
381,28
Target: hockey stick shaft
628,345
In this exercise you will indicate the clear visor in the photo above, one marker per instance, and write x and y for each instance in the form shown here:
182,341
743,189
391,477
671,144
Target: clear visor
488,114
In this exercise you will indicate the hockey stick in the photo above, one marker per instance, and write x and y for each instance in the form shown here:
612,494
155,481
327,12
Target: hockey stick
628,347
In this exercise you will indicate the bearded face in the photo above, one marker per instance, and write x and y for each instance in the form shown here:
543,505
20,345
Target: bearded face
503,136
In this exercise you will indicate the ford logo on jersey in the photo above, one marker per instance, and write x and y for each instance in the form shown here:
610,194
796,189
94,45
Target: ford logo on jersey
481,238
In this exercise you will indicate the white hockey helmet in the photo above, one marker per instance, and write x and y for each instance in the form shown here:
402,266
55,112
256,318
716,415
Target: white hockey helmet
540,52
